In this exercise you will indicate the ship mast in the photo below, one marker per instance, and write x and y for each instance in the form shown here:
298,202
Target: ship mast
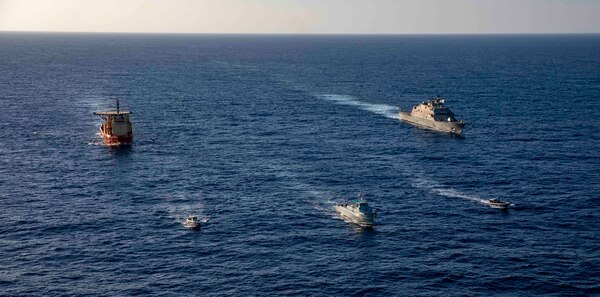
117,105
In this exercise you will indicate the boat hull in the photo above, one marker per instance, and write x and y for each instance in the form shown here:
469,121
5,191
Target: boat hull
357,218
116,140
193,226
501,205
446,127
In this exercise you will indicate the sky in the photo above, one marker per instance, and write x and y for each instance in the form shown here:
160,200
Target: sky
303,16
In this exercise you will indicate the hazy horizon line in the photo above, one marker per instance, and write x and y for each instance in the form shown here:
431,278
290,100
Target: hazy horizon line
275,33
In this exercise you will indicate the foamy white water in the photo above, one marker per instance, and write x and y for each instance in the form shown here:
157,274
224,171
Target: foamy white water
440,190
321,200
452,193
388,111
180,206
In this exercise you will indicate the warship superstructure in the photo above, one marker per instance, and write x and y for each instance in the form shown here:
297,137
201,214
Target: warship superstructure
433,115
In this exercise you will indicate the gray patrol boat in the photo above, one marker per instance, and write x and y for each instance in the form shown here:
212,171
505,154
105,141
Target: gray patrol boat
357,212
433,115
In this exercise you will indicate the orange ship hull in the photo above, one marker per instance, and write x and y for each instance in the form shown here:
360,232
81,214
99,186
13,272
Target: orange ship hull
116,140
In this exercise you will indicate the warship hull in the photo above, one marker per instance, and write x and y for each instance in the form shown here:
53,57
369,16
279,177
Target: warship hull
446,127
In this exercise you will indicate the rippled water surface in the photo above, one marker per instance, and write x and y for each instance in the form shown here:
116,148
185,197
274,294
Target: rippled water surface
263,134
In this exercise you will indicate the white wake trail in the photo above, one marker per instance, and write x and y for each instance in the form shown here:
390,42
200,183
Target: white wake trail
388,111
180,206
452,193
440,190
319,199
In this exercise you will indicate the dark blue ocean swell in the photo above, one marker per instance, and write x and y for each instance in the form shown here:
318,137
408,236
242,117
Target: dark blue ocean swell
263,134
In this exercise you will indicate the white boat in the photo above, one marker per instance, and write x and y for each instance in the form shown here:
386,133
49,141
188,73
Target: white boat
191,222
358,212
496,203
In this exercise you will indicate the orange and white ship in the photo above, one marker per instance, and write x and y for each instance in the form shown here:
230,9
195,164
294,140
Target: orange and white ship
116,128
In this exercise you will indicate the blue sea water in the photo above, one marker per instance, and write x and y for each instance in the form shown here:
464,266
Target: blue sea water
262,135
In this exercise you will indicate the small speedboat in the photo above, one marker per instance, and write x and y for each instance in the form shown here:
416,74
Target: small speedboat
496,203
191,222
358,212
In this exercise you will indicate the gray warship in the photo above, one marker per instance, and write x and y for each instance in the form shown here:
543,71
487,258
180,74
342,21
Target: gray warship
433,115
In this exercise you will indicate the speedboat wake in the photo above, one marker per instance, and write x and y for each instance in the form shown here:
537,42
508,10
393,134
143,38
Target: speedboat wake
440,190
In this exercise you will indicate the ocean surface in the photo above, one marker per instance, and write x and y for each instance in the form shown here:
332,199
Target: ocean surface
262,134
